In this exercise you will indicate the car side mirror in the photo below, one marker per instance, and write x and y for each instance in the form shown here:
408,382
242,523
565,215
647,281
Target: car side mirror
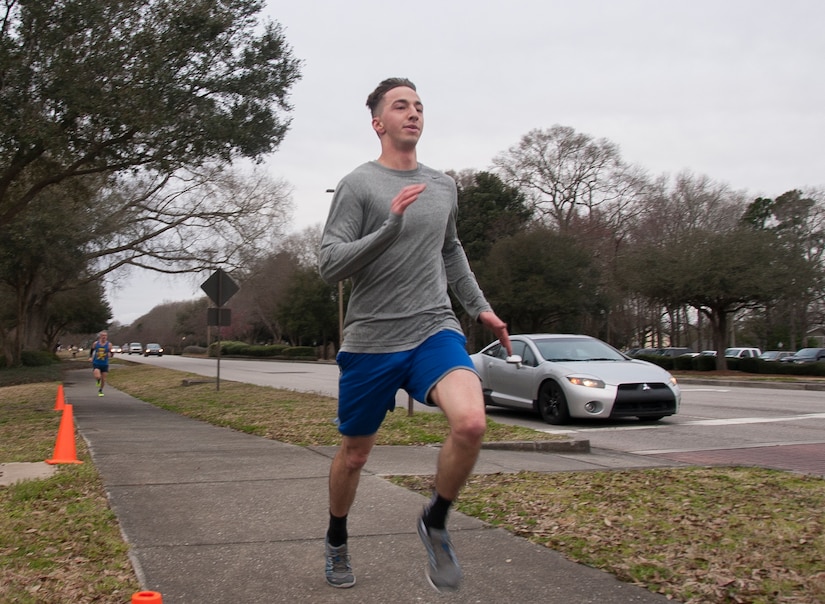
514,359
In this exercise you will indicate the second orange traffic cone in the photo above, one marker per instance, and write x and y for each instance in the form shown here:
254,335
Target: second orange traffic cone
147,597
64,449
59,402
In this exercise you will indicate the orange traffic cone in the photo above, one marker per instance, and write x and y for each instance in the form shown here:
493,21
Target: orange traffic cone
147,597
64,450
59,402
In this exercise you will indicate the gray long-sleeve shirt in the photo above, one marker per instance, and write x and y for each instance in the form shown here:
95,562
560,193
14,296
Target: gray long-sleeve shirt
400,266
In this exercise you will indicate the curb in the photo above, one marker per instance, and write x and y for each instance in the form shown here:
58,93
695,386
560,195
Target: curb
754,384
542,446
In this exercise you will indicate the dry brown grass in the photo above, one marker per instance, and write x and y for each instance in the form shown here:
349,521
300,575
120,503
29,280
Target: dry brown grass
59,541
698,535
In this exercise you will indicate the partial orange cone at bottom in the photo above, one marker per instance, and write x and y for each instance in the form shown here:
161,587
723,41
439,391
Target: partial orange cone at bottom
60,401
147,597
64,449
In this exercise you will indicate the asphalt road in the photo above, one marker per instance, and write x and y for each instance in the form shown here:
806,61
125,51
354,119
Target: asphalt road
710,417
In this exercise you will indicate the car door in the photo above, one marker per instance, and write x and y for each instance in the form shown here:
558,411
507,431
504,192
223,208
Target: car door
511,384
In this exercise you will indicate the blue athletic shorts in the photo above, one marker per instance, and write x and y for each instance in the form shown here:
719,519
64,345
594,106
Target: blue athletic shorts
104,367
370,381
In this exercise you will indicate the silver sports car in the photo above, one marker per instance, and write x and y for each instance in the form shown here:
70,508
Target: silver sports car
562,376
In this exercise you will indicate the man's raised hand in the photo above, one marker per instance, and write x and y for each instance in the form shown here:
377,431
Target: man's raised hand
405,198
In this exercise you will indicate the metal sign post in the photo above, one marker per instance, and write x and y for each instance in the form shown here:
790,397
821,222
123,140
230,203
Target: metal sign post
219,287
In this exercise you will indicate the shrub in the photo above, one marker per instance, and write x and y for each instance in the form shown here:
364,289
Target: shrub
264,351
37,358
704,363
231,347
195,350
241,349
749,365
806,369
228,348
300,352
683,363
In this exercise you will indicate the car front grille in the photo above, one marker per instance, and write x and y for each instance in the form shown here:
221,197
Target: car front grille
644,399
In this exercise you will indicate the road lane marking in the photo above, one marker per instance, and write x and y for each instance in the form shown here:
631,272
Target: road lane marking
732,421
753,420
756,445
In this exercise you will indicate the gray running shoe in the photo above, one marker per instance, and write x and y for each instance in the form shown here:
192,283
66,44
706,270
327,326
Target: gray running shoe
339,571
443,571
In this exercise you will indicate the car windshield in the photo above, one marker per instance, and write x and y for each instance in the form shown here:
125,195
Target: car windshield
577,349
806,352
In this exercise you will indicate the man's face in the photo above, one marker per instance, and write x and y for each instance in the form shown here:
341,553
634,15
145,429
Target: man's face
400,117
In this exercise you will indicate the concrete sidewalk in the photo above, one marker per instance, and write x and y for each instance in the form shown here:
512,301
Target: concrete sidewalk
215,515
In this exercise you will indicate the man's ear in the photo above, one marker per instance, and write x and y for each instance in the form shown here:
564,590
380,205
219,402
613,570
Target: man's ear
378,125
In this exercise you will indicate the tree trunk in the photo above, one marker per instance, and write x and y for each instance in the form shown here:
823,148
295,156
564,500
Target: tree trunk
719,324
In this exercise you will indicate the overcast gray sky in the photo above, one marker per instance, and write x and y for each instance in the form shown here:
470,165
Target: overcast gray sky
732,89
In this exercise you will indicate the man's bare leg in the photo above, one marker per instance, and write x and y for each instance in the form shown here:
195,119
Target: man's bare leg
459,395
344,474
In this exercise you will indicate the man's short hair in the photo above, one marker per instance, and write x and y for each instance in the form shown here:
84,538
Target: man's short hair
377,95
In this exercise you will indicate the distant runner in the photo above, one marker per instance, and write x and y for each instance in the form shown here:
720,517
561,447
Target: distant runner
99,355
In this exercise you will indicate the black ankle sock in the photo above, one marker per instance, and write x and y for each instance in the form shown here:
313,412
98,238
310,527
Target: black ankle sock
337,531
435,514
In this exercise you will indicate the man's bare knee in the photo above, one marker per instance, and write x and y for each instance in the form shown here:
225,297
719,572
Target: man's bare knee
355,452
470,429
354,461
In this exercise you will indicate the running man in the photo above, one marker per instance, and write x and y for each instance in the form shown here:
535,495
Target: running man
391,229
99,355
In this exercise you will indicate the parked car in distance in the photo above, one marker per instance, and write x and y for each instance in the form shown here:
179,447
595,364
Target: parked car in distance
135,348
742,353
153,349
673,352
806,355
775,355
116,349
707,353
564,376
637,352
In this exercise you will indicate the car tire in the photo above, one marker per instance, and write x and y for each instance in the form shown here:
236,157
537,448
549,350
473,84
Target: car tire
552,404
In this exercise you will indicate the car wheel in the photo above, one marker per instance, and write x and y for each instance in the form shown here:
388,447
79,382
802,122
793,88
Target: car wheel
552,404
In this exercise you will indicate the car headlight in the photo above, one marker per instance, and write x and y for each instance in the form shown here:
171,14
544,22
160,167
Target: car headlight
673,381
586,382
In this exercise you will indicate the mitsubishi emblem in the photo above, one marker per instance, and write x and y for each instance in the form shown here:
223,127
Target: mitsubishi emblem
645,387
